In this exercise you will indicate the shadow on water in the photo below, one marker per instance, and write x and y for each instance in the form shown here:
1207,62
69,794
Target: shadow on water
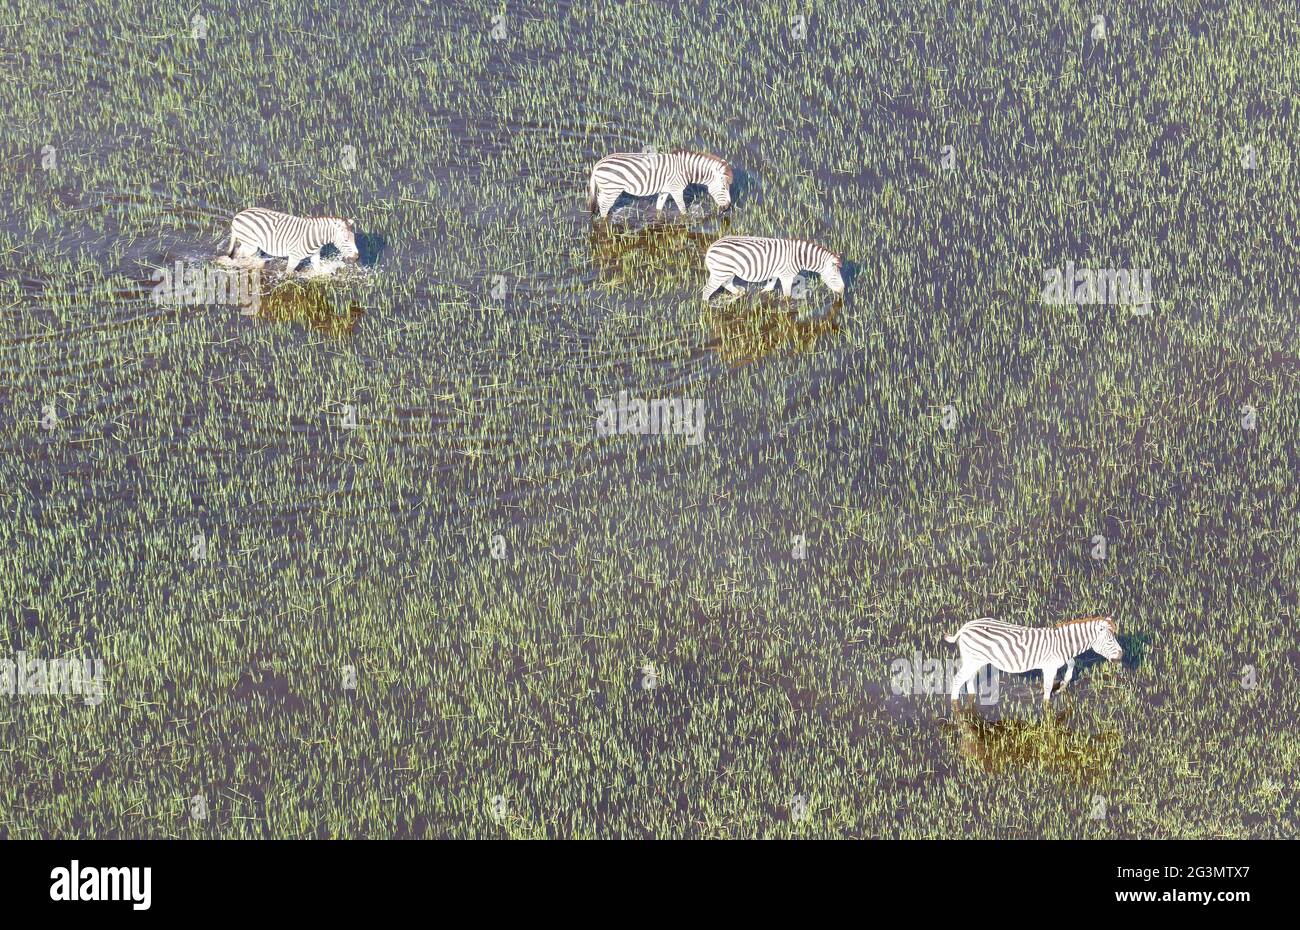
371,247
311,305
1135,649
1045,744
745,329
849,272
744,186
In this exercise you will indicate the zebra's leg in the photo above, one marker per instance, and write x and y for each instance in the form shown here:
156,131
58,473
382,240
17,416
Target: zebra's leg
787,286
1069,673
659,204
241,249
605,200
1049,681
715,281
680,200
292,262
771,285
963,675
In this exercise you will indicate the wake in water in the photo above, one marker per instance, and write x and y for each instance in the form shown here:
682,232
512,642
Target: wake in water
333,268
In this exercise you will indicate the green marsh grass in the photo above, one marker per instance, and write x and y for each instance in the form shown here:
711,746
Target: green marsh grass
495,317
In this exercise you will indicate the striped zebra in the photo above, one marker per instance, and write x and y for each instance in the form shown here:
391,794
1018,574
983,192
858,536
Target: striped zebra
667,174
291,237
1013,648
752,258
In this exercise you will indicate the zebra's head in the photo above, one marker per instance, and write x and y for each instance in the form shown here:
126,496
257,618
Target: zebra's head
1105,643
345,238
719,184
830,273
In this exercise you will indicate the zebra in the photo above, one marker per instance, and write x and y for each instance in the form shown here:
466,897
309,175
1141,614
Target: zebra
293,237
752,258
1013,648
667,174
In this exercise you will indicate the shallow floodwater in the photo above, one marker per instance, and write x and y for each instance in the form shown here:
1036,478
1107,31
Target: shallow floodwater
361,446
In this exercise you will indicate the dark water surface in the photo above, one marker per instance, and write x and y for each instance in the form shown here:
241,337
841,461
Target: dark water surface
490,314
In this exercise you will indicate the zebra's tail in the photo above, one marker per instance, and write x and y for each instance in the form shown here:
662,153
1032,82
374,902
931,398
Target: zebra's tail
953,637
591,193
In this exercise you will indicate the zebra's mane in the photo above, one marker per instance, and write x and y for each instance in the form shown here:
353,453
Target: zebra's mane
1109,621
707,155
839,262
347,223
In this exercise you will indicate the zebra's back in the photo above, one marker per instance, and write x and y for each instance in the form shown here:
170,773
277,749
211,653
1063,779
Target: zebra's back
1009,646
637,173
752,258
280,234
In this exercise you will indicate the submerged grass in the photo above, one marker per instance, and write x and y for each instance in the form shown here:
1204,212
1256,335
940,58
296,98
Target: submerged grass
552,634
